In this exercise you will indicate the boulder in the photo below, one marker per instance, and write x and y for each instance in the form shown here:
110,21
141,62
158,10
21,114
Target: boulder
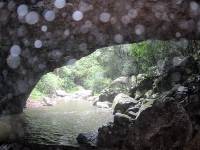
144,84
122,119
105,104
121,80
87,139
61,93
165,125
141,77
122,102
119,85
83,94
107,95
112,136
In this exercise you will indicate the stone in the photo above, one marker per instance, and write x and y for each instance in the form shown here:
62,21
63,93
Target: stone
61,93
165,124
88,139
121,80
107,95
121,84
122,102
144,84
105,104
122,119
83,94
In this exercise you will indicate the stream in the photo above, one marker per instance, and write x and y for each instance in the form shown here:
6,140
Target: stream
60,124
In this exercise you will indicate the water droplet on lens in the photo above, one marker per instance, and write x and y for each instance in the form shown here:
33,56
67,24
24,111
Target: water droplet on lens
77,15
32,18
38,44
60,3
22,10
49,15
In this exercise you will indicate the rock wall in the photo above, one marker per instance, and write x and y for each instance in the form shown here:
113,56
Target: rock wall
168,121
38,36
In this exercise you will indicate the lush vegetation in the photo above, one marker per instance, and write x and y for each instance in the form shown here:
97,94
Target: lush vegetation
97,70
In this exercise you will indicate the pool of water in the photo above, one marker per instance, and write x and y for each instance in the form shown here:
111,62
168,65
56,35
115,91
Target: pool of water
62,123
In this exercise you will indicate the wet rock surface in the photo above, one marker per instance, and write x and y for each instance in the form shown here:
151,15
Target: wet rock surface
107,95
122,102
87,139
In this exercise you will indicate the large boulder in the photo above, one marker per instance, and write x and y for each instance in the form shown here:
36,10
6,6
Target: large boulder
122,119
107,95
165,125
144,83
122,102
121,84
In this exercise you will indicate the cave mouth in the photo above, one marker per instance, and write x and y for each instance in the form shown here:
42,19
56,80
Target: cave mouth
38,36
62,104
81,96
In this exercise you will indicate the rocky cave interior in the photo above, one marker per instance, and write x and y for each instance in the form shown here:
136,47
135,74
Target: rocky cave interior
38,36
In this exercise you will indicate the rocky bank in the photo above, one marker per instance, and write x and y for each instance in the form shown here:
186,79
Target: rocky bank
164,116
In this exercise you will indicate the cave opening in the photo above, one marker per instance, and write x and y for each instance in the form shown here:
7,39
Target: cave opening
75,100
151,88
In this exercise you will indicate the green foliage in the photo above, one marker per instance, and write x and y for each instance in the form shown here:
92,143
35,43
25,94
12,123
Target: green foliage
49,83
97,82
36,94
147,54
116,61
67,76
88,73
